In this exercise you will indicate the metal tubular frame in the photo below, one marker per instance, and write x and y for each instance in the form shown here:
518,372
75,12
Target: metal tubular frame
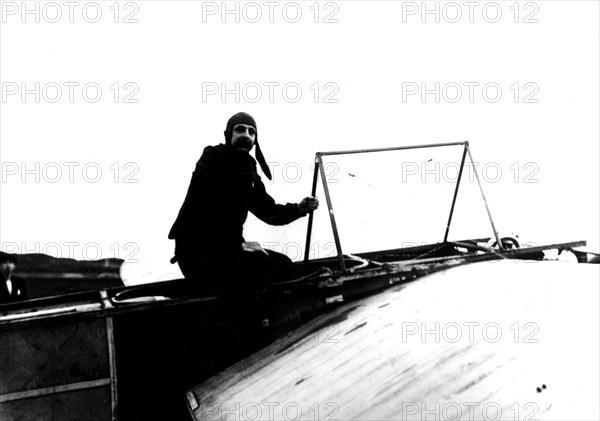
460,171
310,215
487,208
112,355
336,235
320,169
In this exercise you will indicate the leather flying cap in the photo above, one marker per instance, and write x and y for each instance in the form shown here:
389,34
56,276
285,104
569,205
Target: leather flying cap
239,118
245,118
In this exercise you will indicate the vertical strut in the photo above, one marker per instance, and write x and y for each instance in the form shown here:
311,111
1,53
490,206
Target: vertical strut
487,208
310,213
110,335
336,236
462,165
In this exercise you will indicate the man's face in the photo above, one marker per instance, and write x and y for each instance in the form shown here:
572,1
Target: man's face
243,137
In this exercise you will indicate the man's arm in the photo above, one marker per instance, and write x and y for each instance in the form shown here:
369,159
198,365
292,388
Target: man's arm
263,206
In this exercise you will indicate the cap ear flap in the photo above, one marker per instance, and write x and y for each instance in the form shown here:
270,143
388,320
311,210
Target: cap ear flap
227,137
261,160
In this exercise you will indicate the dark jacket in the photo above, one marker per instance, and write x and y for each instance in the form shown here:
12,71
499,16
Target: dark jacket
223,188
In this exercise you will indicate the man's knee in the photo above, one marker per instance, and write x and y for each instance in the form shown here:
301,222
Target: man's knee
282,263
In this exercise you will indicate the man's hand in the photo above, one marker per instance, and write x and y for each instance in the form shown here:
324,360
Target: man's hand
308,204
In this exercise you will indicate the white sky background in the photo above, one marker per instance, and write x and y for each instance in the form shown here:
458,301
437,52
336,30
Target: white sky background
546,145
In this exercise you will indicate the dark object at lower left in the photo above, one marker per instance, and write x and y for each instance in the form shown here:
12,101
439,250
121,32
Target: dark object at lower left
39,275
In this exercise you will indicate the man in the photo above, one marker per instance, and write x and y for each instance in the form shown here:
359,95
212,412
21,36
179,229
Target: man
208,231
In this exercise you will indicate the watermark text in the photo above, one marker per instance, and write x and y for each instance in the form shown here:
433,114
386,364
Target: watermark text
69,12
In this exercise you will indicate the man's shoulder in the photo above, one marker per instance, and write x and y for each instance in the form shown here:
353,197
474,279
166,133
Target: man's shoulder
224,155
214,149
212,153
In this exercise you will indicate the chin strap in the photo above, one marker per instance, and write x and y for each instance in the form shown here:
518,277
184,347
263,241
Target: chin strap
261,160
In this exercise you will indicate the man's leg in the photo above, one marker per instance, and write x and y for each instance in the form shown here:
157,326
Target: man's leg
235,269
283,266
262,267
